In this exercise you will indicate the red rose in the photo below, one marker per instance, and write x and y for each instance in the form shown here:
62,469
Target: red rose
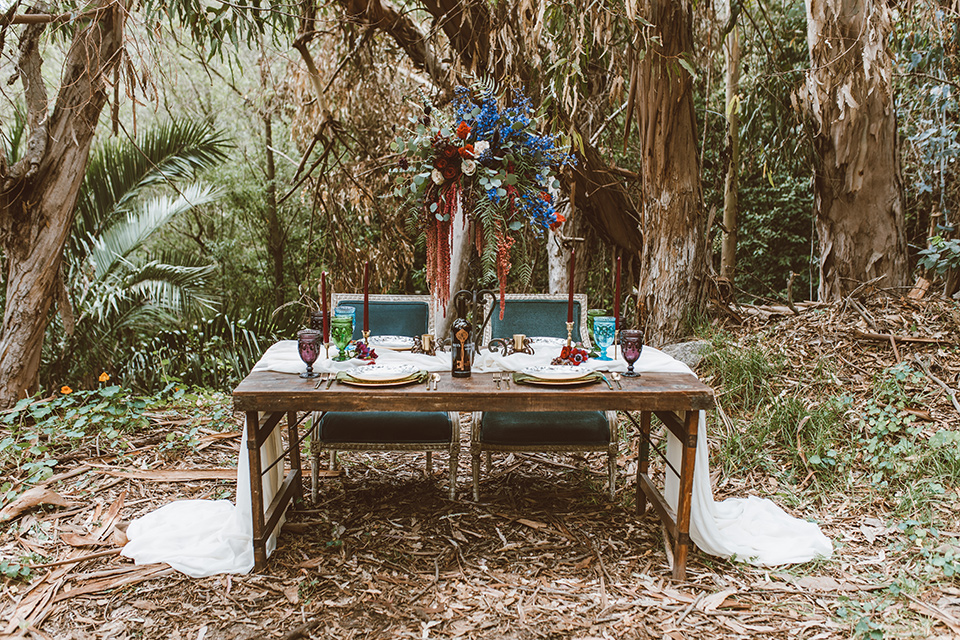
450,171
463,130
466,151
440,163
450,152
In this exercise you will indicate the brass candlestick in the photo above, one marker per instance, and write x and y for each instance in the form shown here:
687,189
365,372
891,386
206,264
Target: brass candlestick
569,334
366,337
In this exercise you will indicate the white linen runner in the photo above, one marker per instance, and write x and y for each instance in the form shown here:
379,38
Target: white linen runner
206,537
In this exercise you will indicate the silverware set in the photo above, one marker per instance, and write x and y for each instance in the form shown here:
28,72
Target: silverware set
435,379
327,377
501,377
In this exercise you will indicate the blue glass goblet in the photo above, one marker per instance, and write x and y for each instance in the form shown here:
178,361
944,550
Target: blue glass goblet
349,312
604,330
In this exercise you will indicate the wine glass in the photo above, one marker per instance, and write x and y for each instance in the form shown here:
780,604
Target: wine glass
631,343
308,344
591,314
604,329
341,331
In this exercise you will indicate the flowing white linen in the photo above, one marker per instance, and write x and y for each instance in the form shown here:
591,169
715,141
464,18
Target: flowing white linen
205,537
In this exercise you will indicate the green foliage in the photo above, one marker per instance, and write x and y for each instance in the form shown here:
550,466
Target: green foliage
37,429
941,256
119,291
16,571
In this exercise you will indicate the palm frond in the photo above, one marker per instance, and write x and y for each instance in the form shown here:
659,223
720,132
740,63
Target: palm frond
11,140
121,239
120,169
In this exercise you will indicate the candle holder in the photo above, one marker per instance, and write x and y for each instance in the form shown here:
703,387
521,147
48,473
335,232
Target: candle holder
366,336
569,334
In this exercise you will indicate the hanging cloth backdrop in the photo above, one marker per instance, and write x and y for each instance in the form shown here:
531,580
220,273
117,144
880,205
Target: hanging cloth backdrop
206,537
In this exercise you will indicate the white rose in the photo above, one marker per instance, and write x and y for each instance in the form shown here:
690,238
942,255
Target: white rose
436,176
480,147
469,167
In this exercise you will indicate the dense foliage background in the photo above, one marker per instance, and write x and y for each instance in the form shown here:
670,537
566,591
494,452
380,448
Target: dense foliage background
225,249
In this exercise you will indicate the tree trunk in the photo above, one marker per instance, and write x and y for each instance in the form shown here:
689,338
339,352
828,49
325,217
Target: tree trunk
731,204
673,284
39,193
858,188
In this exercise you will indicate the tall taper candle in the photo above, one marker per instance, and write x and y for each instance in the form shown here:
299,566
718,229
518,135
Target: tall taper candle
366,296
616,299
323,306
573,258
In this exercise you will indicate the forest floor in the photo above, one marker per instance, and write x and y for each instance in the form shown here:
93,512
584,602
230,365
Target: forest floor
544,554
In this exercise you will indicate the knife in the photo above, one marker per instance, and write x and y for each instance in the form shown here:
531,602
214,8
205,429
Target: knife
607,382
333,379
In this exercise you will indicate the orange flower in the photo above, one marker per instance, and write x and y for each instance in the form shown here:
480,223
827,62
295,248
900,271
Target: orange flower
560,220
463,130
466,151
104,377
65,390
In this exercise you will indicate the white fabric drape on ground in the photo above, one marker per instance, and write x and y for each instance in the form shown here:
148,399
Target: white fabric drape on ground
205,537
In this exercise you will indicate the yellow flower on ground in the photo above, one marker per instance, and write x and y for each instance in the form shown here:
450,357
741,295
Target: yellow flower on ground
104,377
65,390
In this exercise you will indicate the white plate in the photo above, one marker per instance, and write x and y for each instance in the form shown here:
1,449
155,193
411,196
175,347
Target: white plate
381,372
556,372
398,343
548,341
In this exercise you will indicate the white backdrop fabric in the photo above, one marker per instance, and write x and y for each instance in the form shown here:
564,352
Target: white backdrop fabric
207,537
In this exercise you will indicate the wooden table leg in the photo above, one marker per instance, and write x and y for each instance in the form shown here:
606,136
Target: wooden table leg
256,490
294,439
643,460
684,500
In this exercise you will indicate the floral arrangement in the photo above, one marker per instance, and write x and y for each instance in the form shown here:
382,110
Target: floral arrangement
363,351
571,355
487,161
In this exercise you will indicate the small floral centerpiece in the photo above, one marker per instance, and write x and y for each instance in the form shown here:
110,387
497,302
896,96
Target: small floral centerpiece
487,162
572,356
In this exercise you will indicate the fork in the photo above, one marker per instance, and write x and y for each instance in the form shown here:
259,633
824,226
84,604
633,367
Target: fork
496,378
436,381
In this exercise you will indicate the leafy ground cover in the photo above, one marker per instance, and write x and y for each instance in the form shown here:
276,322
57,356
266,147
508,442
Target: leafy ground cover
823,412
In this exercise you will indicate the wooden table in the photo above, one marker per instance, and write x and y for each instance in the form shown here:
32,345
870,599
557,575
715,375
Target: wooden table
674,398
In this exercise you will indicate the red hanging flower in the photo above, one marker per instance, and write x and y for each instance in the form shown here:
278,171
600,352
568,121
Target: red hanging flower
463,130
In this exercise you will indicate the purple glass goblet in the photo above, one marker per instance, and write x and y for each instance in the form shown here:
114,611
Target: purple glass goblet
308,344
631,343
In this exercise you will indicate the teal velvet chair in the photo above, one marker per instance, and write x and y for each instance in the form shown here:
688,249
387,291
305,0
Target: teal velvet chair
427,431
543,431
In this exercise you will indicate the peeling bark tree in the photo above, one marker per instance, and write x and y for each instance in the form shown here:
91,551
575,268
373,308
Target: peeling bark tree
673,282
38,193
858,187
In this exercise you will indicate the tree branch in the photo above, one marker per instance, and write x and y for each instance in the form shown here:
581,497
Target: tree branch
35,94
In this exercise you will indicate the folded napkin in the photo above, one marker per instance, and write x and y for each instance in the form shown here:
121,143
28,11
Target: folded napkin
416,376
588,376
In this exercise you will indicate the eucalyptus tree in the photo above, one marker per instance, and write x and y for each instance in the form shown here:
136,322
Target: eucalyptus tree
39,191
858,186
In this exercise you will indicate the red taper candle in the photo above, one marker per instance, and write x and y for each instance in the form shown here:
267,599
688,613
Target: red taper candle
366,296
616,298
573,258
323,306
